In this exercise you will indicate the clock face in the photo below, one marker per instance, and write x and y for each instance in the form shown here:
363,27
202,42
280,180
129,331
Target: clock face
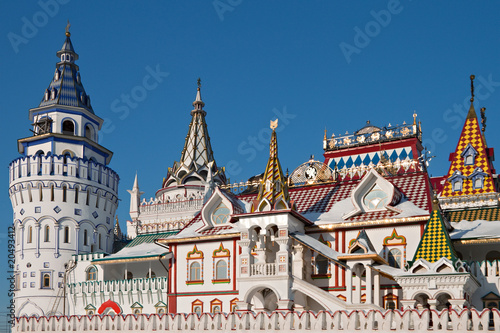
311,173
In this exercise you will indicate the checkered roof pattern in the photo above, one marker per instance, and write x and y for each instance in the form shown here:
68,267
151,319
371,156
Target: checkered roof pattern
471,133
485,214
435,243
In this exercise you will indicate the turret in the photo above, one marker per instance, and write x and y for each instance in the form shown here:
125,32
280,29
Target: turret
63,194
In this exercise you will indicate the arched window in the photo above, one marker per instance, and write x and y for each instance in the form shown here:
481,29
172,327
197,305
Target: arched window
41,192
395,258
221,270
195,271
47,232
52,192
100,244
77,190
220,214
66,234
30,234
85,237
88,132
129,276
92,274
46,280
376,198
68,127
88,196
493,255
64,193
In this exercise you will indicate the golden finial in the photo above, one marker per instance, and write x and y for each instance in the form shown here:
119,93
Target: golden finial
414,117
116,218
67,29
274,124
325,135
472,77
198,82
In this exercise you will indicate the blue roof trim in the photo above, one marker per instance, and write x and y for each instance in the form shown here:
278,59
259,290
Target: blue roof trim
59,109
53,139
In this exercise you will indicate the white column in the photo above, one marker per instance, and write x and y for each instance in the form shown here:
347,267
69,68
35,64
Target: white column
348,284
56,239
368,285
357,293
37,239
376,288
77,239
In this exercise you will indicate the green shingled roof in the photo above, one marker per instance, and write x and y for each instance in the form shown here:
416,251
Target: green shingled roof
150,238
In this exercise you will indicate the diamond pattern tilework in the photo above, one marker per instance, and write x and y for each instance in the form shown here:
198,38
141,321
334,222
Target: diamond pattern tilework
470,134
486,214
217,230
435,243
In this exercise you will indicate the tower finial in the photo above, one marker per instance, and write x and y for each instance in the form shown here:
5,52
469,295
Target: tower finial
198,82
274,124
472,77
67,29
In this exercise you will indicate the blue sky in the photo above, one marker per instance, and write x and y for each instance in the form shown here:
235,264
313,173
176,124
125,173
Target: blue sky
314,64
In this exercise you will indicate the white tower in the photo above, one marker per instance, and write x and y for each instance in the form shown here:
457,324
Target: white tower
63,194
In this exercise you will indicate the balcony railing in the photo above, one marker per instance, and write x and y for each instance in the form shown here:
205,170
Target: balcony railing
263,269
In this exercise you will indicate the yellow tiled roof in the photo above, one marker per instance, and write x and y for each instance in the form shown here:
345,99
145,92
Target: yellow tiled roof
435,242
471,133
486,214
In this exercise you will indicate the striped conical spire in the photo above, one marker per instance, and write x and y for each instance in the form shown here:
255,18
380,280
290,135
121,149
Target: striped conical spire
273,190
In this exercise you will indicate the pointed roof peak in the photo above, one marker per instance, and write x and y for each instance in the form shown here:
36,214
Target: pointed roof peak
198,103
472,111
435,242
66,88
136,183
274,188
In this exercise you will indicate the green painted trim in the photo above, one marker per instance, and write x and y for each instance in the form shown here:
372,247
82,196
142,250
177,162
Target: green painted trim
321,277
221,281
195,282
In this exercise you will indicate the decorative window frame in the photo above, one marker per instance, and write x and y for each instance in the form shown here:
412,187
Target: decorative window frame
136,308
221,254
469,151
87,272
371,179
211,205
194,256
197,303
314,257
477,174
161,307
214,303
42,278
90,310
390,298
233,306
456,177
395,241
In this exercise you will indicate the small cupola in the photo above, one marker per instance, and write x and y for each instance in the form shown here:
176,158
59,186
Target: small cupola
67,52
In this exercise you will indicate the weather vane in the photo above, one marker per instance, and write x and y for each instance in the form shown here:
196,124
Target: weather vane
199,82
67,29
274,124
483,119
472,77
